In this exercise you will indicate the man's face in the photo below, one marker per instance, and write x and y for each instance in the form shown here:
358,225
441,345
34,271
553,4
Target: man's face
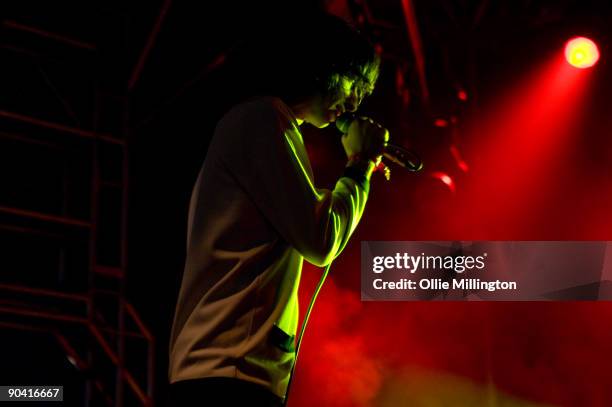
346,97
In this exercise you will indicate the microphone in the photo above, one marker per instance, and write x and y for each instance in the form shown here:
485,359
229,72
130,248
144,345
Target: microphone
394,153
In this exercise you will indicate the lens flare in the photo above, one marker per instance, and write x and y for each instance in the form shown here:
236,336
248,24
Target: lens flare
581,52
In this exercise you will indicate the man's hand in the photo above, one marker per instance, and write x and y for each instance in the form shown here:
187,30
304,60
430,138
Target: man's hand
365,139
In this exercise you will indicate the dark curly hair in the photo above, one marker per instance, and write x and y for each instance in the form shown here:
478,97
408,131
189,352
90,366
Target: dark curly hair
297,57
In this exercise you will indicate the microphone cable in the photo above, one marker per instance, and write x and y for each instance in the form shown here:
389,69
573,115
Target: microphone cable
303,329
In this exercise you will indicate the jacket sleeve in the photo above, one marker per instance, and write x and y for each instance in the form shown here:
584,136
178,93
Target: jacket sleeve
265,154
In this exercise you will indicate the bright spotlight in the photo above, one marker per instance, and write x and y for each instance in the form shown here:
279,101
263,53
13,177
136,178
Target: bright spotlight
581,52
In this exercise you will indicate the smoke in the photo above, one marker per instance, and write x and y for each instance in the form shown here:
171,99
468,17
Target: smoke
335,358
379,354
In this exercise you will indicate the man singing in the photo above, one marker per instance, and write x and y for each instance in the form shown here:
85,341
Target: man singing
255,213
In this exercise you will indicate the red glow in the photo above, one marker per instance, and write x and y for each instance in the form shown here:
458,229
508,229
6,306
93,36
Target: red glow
445,178
517,153
441,123
463,166
366,354
581,52
522,185
462,95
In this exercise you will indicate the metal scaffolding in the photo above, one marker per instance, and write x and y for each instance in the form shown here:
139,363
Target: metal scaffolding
84,309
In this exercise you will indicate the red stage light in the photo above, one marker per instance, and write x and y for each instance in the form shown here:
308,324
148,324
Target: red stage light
581,52
445,178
